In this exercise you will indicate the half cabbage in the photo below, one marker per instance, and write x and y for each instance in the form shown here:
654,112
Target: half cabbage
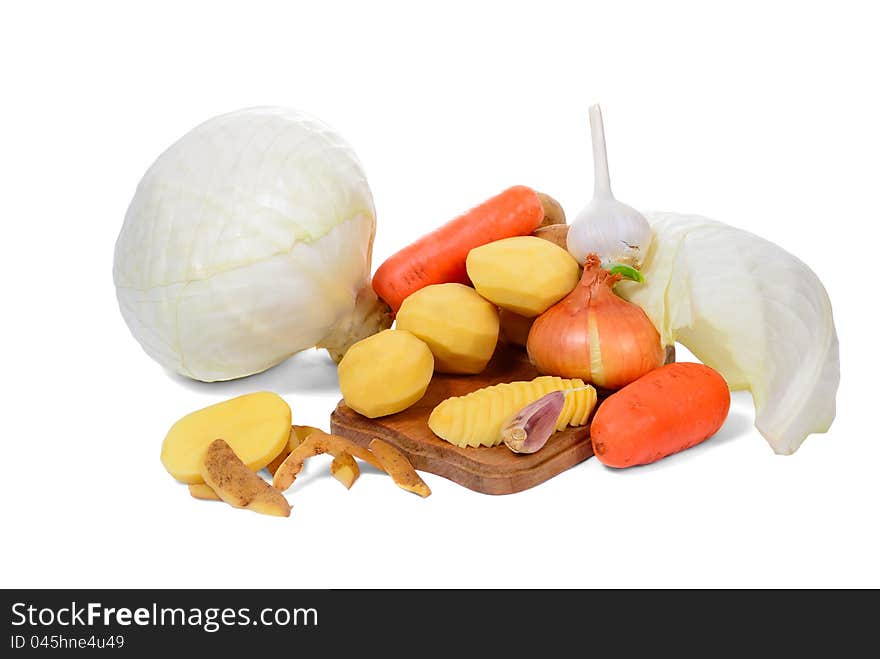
752,311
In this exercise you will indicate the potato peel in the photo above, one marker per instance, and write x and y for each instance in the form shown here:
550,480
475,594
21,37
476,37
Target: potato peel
272,467
289,469
237,485
344,468
298,435
381,455
334,444
395,464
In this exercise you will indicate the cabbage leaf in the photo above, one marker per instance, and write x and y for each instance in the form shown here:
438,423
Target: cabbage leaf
750,310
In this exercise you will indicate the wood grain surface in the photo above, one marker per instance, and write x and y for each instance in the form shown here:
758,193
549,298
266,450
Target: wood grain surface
495,470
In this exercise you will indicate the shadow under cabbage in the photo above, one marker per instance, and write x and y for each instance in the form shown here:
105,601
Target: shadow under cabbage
307,372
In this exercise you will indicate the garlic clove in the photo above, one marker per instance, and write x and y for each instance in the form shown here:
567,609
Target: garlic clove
530,428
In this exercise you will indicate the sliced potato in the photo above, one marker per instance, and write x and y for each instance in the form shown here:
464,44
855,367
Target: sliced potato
203,491
256,426
237,484
399,468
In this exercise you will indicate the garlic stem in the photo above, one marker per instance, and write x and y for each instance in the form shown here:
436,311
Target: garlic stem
614,231
601,180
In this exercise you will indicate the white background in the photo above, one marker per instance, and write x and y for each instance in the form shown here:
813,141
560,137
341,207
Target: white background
762,115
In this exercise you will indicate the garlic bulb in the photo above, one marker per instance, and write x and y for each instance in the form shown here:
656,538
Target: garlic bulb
614,231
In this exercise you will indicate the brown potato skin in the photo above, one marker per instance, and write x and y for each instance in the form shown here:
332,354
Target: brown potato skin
553,212
344,468
237,485
555,233
399,468
298,435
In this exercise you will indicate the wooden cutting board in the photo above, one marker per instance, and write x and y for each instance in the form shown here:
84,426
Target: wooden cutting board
495,470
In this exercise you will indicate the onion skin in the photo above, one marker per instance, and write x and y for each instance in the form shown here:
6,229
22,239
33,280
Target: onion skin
595,335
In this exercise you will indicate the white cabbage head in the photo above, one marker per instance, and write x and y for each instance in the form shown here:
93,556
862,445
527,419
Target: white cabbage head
247,241
750,310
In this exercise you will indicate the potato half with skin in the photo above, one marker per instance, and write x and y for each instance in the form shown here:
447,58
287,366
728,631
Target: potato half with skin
237,485
459,326
525,274
385,373
256,426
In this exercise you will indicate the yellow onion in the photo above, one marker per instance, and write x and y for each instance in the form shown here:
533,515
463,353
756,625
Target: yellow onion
594,335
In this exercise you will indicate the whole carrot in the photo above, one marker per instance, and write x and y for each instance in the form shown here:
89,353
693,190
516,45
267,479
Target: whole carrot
665,411
439,257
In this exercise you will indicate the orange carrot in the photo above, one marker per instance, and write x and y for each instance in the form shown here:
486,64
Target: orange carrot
439,257
665,411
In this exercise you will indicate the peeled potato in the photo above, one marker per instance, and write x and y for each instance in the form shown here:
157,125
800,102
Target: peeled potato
385,373
477,418
459,326
524,274
256,427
